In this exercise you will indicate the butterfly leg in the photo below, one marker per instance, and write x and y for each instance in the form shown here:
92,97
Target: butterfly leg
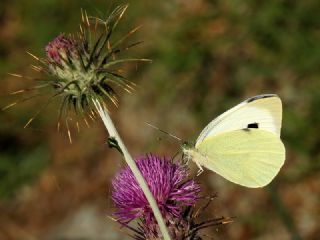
200,169
188,159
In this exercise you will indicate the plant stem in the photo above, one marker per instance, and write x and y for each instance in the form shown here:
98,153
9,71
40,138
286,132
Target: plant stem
133,166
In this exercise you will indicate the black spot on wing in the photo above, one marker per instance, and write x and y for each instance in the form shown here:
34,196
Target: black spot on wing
260,97
253,125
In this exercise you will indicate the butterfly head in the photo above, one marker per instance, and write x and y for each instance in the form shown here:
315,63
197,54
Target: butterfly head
187,148
187,145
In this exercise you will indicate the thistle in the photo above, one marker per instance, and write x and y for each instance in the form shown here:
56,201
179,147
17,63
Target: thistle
176,195
168,183
80,70
81,67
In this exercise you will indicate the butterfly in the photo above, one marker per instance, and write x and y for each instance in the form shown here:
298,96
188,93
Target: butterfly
243,144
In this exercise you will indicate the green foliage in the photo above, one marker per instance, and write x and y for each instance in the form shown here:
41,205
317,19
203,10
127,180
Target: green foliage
19,166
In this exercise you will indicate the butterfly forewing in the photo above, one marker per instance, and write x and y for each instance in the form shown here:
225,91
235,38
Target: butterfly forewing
259,112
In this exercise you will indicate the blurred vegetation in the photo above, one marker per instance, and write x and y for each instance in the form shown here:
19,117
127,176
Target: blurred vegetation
208,56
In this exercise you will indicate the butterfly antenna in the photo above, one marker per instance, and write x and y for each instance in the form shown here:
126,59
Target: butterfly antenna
171,135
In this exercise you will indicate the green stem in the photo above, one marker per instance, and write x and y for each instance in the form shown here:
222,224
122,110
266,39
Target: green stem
133,166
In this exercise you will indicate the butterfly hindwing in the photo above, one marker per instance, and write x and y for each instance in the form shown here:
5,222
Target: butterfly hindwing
249,157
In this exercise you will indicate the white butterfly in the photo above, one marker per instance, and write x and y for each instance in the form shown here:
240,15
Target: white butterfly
243,144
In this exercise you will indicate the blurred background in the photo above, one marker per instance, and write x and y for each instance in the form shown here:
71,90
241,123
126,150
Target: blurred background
208,55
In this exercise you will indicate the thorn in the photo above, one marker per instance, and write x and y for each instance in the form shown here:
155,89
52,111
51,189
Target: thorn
130,88
34,56
135,29
127,35
68,130
78,128
86,122
58,127
28,123
87,19
127,90
16,92
114,101
15,75
36,68
28,89
69,135
37,58
93,114
91,117
81,30
39,111
123,11
21,100
21,76
133,45
9,106
82,17
111,218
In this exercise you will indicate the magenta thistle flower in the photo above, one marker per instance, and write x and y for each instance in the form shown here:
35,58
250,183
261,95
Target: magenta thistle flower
176,195
168,183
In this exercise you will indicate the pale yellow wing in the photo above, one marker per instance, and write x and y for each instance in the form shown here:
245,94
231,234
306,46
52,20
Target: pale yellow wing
262,111
249,157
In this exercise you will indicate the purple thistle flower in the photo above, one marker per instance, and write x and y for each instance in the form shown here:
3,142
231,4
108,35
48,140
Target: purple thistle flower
168,183
60,47
176,195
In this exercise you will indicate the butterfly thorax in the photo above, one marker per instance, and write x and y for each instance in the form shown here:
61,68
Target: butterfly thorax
187,148
191,153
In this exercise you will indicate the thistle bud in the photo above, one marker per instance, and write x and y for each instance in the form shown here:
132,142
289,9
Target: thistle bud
82,67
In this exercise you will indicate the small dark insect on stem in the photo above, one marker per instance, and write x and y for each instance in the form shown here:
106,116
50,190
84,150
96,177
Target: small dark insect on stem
113,143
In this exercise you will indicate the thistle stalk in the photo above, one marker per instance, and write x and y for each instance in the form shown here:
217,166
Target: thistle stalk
80,74
133,166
